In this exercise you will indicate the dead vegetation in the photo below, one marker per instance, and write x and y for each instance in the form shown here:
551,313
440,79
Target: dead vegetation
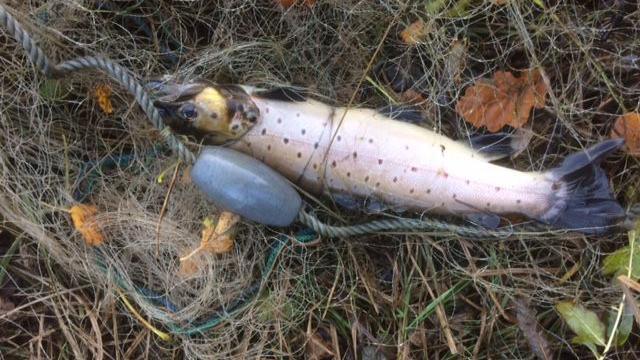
400,295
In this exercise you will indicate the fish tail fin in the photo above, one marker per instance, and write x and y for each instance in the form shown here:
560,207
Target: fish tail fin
582,199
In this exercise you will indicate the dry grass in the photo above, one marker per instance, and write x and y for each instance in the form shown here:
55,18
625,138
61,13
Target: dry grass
370,294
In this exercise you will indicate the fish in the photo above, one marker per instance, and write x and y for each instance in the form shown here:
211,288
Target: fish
366,154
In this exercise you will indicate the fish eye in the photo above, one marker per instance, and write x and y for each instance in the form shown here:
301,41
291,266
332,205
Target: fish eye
188,111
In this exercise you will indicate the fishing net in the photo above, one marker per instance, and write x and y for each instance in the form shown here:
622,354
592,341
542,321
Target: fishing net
59,146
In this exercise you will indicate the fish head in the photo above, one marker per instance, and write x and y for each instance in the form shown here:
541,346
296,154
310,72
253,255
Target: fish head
212,113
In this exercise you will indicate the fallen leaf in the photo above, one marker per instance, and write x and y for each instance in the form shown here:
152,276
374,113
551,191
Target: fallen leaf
83,217
289,3
318,346
618,262
627,127
624,326
217,238
503,100
532,331
103,94
414,33
584,323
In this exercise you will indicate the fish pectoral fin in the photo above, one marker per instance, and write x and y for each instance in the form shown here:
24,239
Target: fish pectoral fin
486,220
407,113
287,94
347,201
494,146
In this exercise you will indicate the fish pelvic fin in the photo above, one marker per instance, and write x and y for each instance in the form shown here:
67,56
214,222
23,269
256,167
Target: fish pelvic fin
582,199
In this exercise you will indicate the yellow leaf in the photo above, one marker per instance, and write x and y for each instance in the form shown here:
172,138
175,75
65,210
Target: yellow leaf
83,217
217,238
103,95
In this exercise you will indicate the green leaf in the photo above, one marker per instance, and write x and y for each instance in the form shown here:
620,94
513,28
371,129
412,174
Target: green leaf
54,90
585,323
618,262
624,327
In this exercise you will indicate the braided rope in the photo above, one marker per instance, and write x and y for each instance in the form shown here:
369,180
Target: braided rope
428,224
114,70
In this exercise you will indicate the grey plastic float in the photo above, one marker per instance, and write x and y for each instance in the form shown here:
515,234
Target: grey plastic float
245,186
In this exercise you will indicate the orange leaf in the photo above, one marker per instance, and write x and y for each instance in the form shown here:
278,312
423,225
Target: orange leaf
217,238
627,126
414,33
503,100
103,94
83,217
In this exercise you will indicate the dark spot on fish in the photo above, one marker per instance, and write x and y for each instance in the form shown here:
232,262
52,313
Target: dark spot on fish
279,121
454,196
467,182
395,179
348,174
299,155
297,114
414,169
285,140
315,146
264,132
213,115
370,141
518,201
555,186
379,161
411,191
355,154
333,163
497,188
339,138
366,179
442,148
248,144
377,184
442,204
303,131
428,191
488,204
269,147
315,166
406,147
266,110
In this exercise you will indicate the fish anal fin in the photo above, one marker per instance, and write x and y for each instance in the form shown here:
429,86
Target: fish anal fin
494,146
486,220
406,113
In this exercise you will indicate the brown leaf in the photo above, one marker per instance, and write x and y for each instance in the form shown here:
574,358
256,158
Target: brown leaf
318,346
289,3
503,100
532,331
414,33
103,95
83,220
627,127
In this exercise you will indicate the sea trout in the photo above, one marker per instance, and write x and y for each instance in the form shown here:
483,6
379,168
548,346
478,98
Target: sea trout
366,154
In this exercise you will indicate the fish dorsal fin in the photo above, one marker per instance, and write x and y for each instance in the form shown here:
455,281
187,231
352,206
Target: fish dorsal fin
494,146
406,113
282,94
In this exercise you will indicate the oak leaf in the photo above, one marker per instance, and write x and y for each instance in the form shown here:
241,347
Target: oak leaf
627,127
503,100
83,217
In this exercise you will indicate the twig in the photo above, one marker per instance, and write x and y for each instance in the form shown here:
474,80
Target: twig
164,206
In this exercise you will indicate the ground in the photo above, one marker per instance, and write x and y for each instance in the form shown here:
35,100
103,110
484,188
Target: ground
388,295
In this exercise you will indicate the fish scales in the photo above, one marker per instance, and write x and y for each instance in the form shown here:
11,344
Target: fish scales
362,152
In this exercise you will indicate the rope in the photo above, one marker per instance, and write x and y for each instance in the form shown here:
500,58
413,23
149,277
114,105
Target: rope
428,224
114,70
